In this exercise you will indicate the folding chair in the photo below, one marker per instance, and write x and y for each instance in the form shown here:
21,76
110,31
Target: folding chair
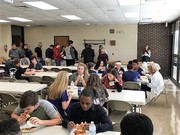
118,109
45,69
66,69
21,81
47,80
35,79
131,85
9,103
9,79
55,69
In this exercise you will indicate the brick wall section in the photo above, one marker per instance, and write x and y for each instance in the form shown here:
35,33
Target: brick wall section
157,36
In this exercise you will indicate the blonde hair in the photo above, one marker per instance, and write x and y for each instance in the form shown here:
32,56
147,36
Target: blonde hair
152,68
59,85
86,73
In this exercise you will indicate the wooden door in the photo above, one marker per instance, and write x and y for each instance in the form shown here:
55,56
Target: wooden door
62,40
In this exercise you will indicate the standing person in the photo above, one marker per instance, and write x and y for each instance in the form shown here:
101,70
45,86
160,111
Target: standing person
57,54
81,76
70,54
15,51
58,95
86,111
136,124
103,56
38,53
63,56
146,55
49,55
41,111
27,51
88,54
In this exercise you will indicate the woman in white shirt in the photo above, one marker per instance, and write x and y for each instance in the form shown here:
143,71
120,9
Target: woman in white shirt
157,83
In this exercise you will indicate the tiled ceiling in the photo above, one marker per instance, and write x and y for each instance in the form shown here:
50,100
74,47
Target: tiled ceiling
93,12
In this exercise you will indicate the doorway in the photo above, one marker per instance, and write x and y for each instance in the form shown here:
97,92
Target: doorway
62,40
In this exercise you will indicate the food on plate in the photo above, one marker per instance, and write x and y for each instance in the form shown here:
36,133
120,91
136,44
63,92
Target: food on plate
29,129
80,129
23,117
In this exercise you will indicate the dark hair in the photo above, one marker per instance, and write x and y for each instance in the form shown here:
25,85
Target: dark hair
111,65
9,127
51,46
86,45
90,65
136,124
98,63
87,92
28,98
94,83
70,42
129,66
115,73
14,44
32,57
130,62
16,61
135,61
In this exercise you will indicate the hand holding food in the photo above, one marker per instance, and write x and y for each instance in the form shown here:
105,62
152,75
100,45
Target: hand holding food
23,117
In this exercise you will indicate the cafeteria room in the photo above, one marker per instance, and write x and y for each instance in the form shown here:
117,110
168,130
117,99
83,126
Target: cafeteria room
79,67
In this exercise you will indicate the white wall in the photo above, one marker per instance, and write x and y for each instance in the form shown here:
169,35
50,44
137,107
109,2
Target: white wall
5,39
125,36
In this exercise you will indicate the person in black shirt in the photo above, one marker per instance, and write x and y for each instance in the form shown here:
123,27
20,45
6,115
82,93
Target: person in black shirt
86,111
27,51
18,70
49,55
9,64
35,65
38,53
88,54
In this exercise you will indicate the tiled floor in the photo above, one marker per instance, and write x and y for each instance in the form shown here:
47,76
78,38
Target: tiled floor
166,120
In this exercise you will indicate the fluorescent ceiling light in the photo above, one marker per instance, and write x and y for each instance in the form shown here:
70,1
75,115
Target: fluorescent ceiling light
128,2
71,17
42,5
20,19
131,14
3,21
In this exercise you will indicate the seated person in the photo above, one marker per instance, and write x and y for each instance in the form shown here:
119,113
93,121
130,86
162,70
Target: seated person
9,64
100,92
35,65
18,70
86,111
130,75
136,124
25,60
100,66
137,68
112,80
81,76
41,111
156,85
58,95
10,127
91,69
119,68
111,65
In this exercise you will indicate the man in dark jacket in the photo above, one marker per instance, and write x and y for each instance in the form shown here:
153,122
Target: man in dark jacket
86,111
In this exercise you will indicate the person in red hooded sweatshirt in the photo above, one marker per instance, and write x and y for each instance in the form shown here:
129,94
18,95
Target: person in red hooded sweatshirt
57,54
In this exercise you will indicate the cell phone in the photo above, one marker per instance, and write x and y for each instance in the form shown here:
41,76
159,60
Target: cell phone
113,91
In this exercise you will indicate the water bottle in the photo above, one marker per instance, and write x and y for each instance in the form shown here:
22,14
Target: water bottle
11,74
72,85
79,91
92,128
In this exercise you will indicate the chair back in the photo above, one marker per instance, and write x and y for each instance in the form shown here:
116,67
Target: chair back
131,85
45,69
21,81
36,79
55,69
47,80
9,79
66,69
8,98
119,105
